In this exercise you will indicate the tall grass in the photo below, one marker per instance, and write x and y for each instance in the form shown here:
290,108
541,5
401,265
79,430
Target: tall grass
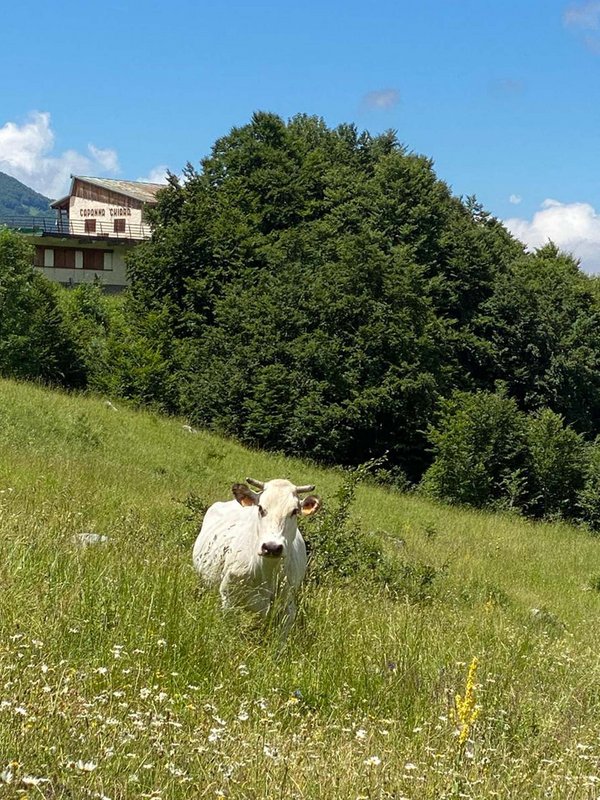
121,678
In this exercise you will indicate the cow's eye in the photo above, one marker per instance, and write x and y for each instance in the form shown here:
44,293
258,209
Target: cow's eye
262,512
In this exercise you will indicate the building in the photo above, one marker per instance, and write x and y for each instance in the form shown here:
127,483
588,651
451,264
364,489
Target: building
95,225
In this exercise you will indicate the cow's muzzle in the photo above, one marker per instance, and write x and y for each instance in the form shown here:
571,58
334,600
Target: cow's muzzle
271,550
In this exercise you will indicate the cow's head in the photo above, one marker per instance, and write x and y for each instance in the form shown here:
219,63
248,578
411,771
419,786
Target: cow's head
277,505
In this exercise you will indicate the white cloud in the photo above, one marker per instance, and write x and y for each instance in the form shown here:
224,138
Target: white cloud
573,227
156,175
26,154
584,19
583,15
515,199
381,99
107,158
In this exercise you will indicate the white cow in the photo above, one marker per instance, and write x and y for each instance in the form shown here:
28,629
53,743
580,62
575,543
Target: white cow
251,548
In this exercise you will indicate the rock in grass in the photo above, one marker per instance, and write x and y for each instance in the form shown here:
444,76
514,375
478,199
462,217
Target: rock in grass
87,539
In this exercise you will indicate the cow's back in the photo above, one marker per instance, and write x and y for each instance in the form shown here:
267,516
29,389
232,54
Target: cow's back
221,526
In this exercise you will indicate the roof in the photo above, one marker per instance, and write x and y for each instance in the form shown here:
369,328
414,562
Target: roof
139,190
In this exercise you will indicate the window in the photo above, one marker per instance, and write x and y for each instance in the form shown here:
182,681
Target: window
90,226
48,257
64,257
93,259
119,226
38,260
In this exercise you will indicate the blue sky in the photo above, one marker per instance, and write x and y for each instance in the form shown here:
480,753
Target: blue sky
504,97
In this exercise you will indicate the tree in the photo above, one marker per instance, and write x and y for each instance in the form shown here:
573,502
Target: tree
480,455
320,291
34,340
543,324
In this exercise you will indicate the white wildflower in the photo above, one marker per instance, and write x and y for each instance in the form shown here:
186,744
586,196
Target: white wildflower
372,761
85,766
29,780
270,752
7,775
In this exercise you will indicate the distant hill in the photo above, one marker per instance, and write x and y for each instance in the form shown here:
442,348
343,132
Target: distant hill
18,200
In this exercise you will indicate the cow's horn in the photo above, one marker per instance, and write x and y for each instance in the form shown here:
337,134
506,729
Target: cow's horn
304,489
257,484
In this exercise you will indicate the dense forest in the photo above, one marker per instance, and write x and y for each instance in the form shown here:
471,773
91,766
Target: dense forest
17,200
321,292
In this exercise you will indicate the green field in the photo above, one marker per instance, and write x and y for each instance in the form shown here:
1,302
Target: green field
120,677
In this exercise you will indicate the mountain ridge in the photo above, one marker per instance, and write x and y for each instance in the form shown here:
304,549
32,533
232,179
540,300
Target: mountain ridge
18,200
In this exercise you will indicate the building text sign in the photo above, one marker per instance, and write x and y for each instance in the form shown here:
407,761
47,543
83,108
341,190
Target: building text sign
113,211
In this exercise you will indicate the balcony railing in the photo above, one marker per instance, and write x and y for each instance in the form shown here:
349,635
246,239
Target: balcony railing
53,226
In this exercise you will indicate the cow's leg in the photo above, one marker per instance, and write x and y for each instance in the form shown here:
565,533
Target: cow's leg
225,593
289,616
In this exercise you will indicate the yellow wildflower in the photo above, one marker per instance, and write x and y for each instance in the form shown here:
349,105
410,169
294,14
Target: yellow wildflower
466,709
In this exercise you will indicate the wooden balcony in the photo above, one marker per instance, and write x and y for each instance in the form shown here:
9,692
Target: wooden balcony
64,228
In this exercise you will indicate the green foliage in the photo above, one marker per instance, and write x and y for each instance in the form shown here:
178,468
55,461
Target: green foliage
543,323
88,314
589,496
116,360
557,464
479,443
487,452
319,292
339,550
310,280
35,342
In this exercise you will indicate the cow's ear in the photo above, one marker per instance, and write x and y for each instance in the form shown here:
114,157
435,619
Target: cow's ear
244,495
310,505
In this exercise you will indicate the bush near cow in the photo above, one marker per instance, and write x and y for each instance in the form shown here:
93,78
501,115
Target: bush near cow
339,550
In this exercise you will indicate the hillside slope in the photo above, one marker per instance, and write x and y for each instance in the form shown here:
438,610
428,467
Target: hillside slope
123,678
17,200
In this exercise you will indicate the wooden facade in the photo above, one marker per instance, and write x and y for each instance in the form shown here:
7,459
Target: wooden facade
96,224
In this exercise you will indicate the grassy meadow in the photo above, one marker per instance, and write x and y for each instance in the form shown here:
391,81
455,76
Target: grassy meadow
121,678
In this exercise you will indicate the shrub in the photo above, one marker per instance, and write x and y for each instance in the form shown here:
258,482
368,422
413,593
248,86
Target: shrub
35,342
557,457
340,550
87,314
589,496
479,444
337,546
